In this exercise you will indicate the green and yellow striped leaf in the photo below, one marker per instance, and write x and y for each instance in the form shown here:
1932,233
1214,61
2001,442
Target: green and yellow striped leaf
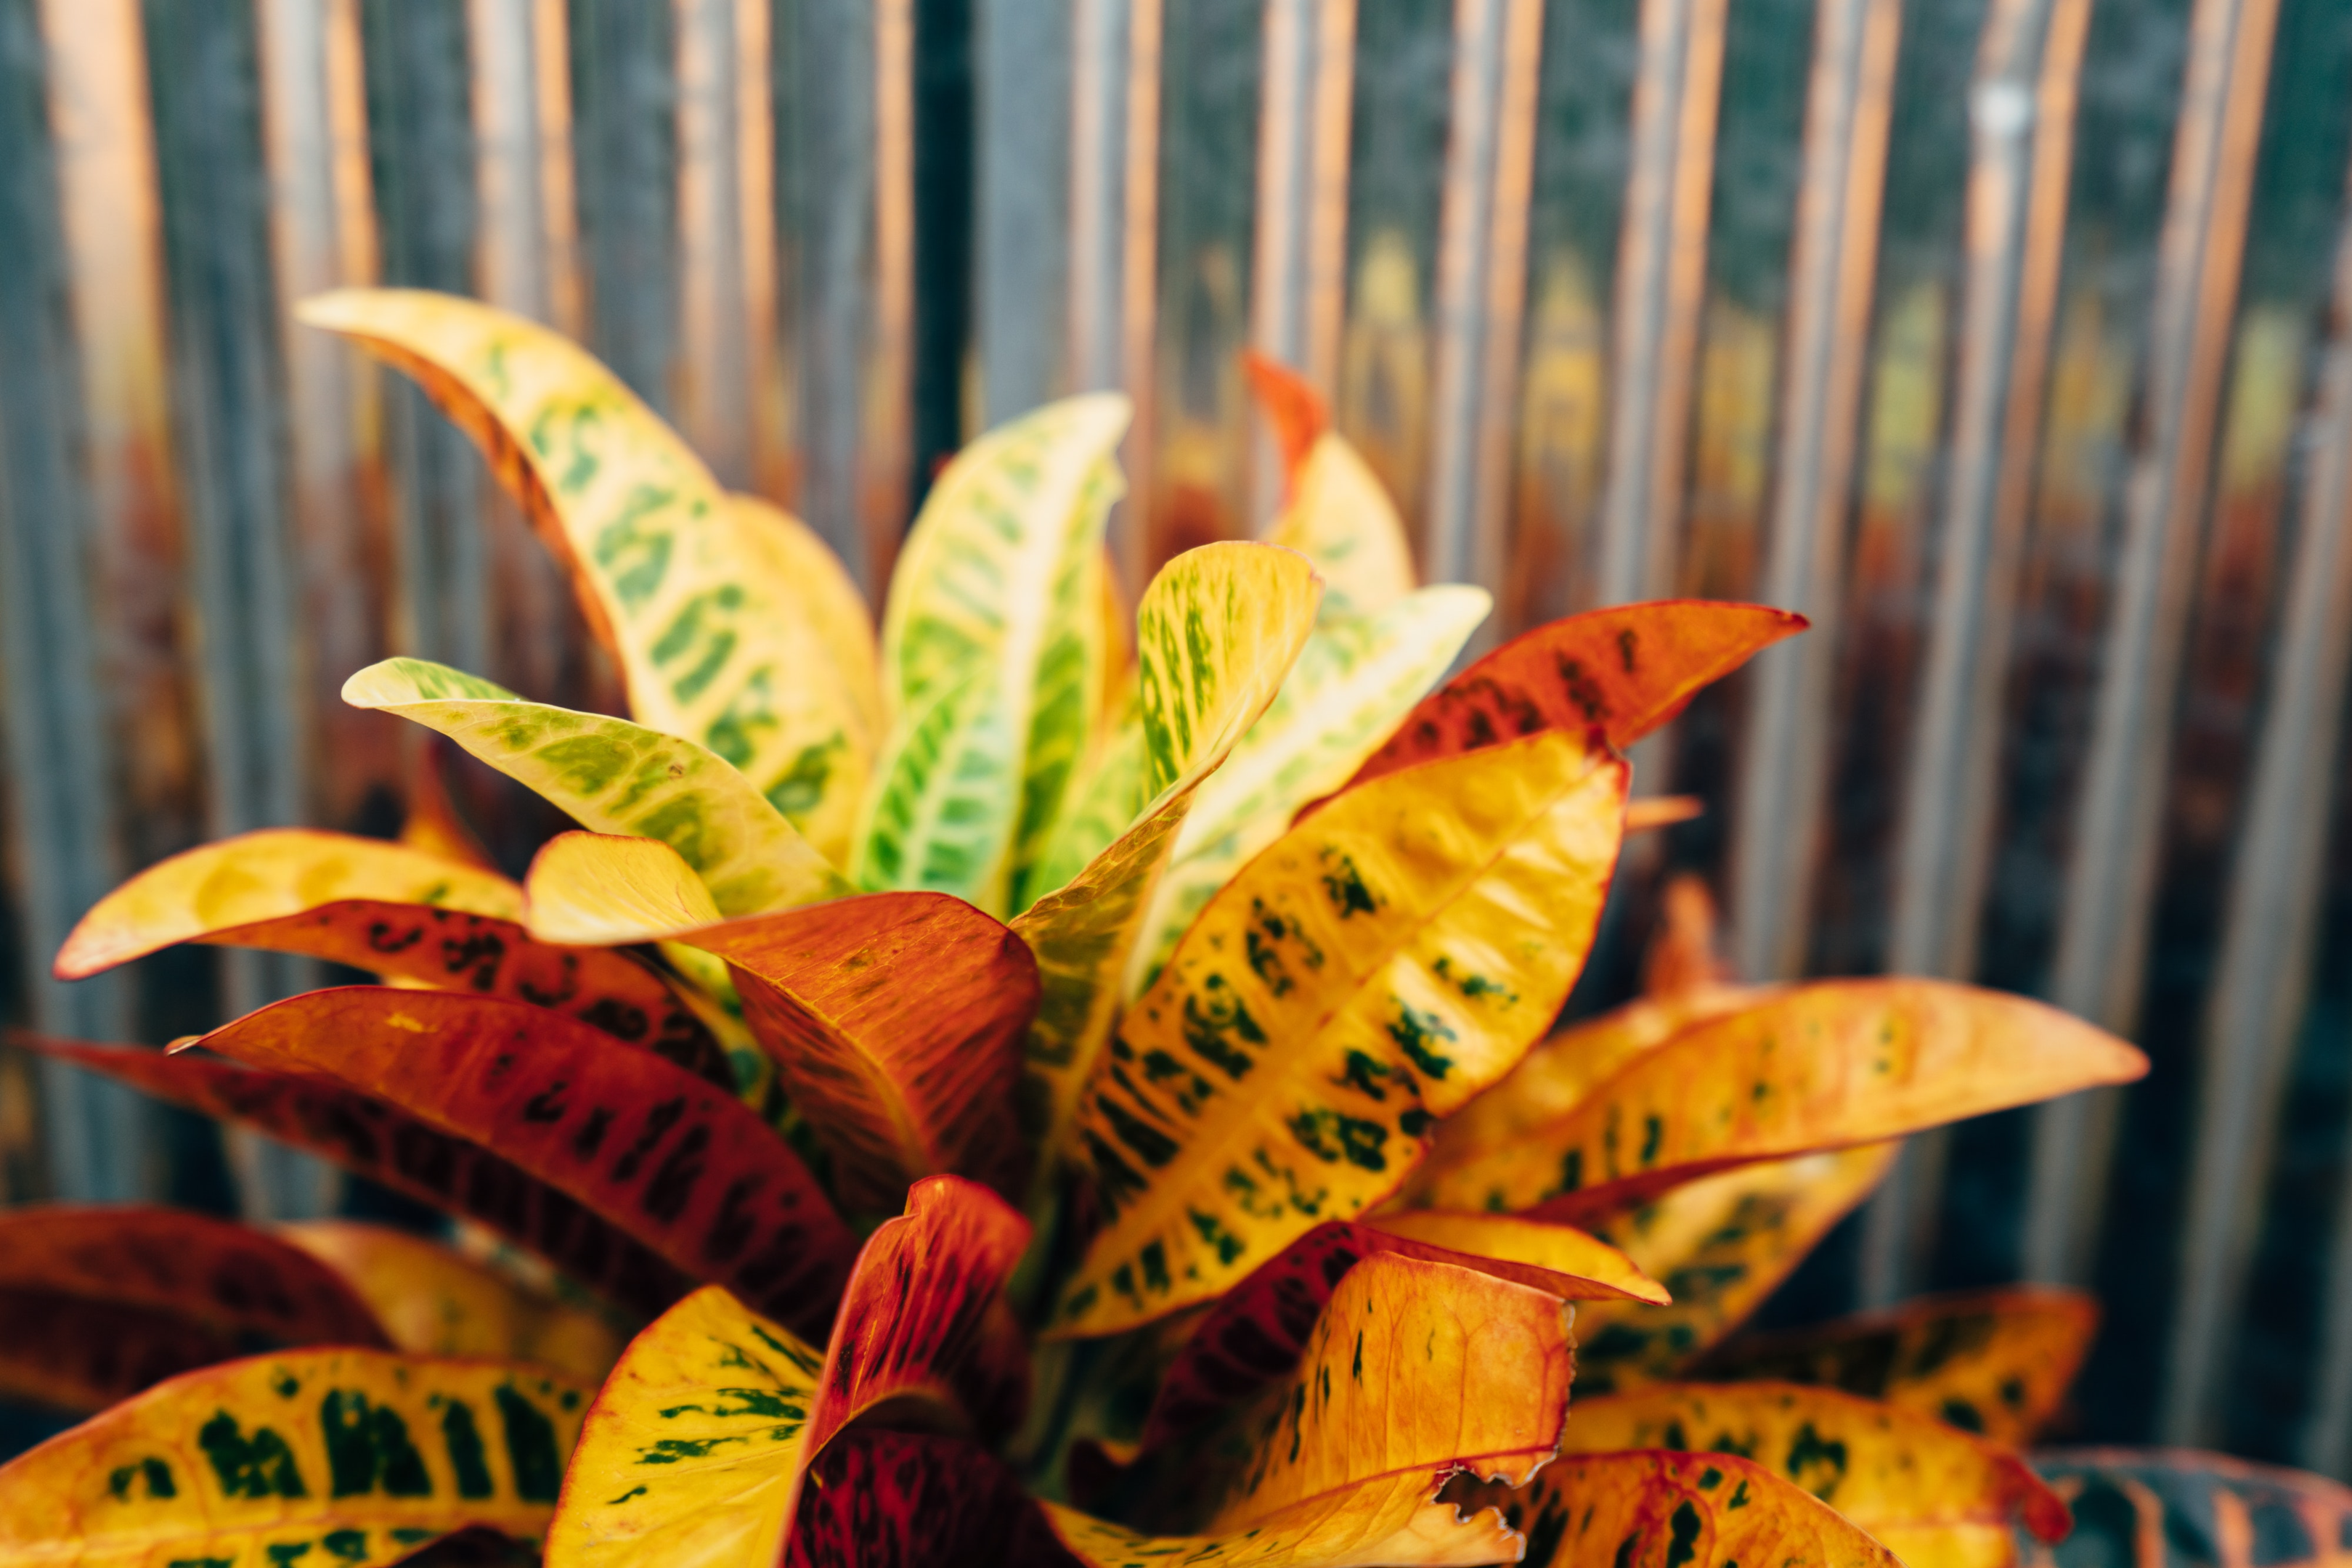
993,656
1105,796
1357,676
726,625
615,776
1378,966
1221,626
343,1457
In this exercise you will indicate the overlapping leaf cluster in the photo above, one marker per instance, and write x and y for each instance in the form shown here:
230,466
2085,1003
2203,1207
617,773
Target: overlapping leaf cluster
1046,1084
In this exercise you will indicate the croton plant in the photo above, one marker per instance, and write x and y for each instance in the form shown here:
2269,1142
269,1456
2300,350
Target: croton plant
1043,1084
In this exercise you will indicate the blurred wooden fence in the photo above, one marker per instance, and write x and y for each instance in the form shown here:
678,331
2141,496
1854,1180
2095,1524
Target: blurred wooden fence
2007,338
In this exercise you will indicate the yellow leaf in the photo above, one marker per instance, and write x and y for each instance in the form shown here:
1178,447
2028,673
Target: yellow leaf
1415,1370
435,1300
1935,1497
1335,510
1356,677
266,875
993,656
339,1456
1654,1510
615,776
1997,1363
599,889
822,595
1818,1066
1371,972
1721,1245
725,630
1220,627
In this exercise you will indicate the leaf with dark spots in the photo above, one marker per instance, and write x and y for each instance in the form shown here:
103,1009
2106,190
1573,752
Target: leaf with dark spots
1582,673
1659,1510
895,1023
903,1500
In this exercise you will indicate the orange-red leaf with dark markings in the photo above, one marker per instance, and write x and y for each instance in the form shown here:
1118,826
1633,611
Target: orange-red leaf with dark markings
681,1165
451,950
1255,1334
71,1353
895,1021
901,1500
1623,671
387,1145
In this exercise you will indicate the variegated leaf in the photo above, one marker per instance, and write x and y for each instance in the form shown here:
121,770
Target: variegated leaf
1335,510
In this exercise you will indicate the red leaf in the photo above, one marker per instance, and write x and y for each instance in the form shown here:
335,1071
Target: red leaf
1290,405
895,1499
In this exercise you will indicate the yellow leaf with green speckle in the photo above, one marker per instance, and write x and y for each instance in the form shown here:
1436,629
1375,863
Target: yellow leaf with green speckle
335,1457
1384,961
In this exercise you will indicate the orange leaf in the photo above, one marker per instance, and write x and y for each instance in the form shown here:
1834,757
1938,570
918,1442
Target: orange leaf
369,1138
2181,1506
1937,1496
685,1169
1622,671
98,1303
1651,1509
433,824
1996,1363
1819,1066
895,1021
1255,1333
1294,407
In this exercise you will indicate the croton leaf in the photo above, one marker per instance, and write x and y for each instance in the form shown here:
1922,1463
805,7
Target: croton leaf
1335,510
1106,794
696,1448
369,1138
994,656
831,606
2179,1508
1257,1331
338,1456
895,1021
613,889
615,777
101,1302
1416,1370
1818,1066
1354,679
1935,1497
1656,1510
1623,671
267,876
432,821
685,1169
914,1499
435,1300
1219,628
1996,1363
1721,1245
1378,967
724,623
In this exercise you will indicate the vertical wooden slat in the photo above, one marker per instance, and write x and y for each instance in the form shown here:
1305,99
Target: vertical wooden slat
2021,114
773,468
1139,293
1660,286
715,406
2103,932
1023,57
1481,283
624,140
567,290
58,747
1833,267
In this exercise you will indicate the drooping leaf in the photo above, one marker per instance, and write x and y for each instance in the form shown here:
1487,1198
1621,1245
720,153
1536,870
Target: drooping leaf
697,1447
1416,1370
1996,1363
1219,628
895,1022
992,655
615,777
1719,1245
268,875
684,1168
2163,1506
1335,510
1382,963
435,1300
724,623
101,1302
1658,1509
337,1455
1819,1066
1935,1497
910,1499
1354,679
1256,1333
1623,671
369,1138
